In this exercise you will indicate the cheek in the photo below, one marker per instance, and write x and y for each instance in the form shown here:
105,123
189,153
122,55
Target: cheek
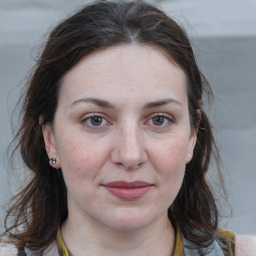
170,162
81,158
171,155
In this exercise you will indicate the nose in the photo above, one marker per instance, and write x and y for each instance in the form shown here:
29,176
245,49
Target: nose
129,151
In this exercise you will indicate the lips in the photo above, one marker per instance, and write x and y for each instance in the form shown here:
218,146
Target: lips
128,190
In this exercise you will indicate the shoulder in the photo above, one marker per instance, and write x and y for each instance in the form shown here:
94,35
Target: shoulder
235,244
7,249
245,245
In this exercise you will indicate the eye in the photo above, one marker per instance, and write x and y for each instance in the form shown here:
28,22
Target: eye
94,121
160,121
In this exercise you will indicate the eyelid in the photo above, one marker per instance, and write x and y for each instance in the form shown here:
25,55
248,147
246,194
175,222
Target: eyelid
170,118
91,115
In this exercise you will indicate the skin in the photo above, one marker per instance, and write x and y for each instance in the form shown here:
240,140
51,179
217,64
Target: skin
129,142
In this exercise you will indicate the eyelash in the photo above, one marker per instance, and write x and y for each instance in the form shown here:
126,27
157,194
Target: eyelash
166,118
90,118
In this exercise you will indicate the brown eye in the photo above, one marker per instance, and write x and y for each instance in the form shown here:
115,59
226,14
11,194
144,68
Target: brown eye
158,120
96,120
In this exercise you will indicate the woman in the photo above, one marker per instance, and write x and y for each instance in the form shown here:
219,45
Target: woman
118,143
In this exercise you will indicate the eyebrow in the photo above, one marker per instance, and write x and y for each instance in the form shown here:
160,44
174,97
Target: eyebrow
95,101
160,103
106,104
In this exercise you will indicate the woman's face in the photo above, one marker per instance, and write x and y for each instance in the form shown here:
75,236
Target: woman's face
122,136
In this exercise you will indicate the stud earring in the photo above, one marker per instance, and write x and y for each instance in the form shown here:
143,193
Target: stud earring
53,160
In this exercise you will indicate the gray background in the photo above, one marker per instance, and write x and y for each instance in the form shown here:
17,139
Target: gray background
224,37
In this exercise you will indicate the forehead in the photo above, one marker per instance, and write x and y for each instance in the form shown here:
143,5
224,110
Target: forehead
124,71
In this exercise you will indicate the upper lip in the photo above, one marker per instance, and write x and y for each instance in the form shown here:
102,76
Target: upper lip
125,184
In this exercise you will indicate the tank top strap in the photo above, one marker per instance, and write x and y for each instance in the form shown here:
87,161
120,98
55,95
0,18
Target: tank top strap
63,250
226,240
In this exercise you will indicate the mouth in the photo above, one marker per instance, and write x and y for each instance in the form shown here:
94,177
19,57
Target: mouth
128,190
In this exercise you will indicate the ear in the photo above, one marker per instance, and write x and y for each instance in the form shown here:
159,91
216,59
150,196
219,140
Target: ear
50,145
193,138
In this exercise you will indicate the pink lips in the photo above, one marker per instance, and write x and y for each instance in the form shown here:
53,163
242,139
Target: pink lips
128,190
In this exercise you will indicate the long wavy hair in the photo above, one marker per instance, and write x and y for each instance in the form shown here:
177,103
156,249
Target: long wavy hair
40,208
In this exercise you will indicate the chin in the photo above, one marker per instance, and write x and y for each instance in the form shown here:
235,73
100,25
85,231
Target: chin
129,220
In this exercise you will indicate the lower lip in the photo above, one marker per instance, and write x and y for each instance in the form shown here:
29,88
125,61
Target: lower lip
129,193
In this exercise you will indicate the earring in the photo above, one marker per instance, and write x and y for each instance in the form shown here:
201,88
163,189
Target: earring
53,160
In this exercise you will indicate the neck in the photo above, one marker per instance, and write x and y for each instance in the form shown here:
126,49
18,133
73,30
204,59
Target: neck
93,239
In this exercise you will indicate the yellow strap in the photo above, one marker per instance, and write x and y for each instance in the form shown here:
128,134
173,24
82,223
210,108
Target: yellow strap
178,249
226,238
63,250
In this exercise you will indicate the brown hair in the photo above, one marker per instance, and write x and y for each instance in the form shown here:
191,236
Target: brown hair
40,208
